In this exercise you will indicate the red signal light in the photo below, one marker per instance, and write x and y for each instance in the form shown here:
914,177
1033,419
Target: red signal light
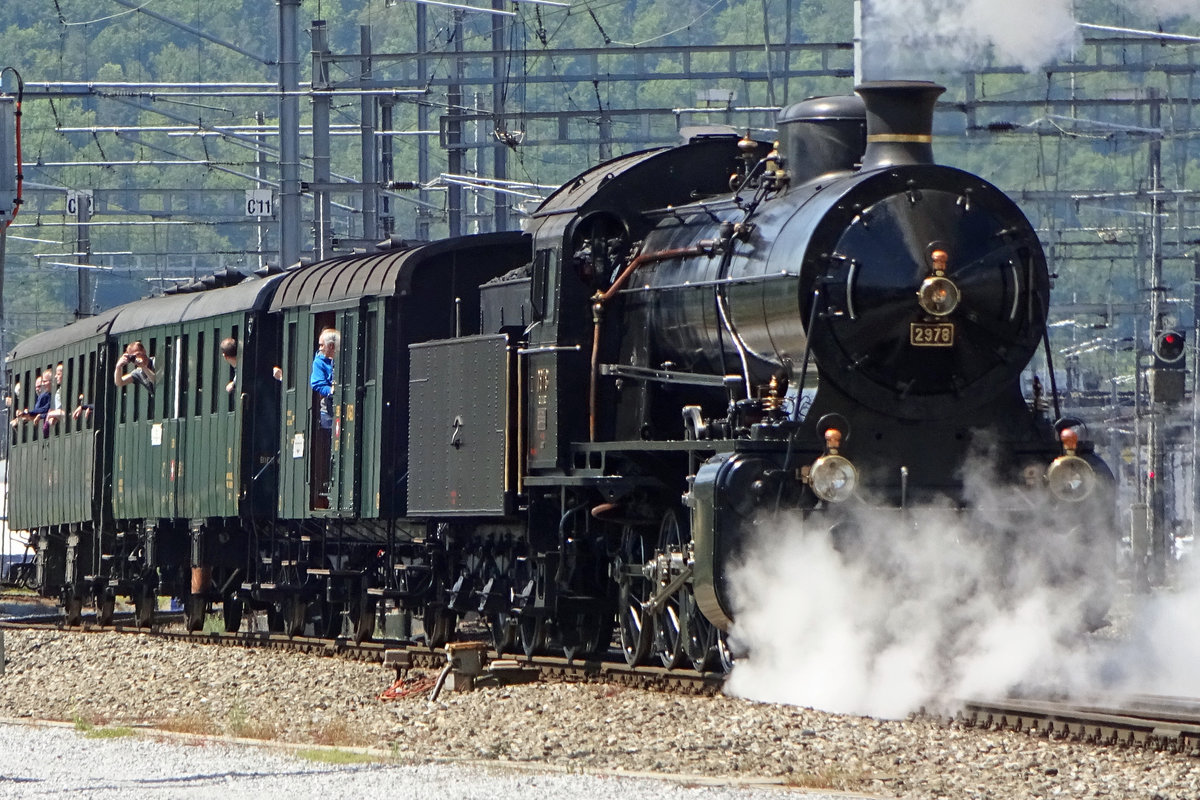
1169,347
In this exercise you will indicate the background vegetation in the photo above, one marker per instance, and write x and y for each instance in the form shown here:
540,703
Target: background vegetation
1020,142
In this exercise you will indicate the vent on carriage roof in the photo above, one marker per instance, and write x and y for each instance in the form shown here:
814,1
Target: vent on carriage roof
218,280
267,270
393,242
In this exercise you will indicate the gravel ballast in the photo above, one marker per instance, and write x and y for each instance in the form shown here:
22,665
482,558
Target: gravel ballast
46,762
107,679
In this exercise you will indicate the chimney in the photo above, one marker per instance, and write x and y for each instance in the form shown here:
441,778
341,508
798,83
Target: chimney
899,122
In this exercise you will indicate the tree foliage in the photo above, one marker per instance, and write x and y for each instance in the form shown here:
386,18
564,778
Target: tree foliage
1025,148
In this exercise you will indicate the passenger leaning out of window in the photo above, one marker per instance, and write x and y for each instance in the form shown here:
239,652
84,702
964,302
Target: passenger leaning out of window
229,352
56,412
142,372
41,400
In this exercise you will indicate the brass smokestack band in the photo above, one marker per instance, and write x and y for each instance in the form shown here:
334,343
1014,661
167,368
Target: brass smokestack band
902,138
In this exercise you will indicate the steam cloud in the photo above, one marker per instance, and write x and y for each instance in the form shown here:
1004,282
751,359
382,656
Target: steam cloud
902,616
914,38
910,39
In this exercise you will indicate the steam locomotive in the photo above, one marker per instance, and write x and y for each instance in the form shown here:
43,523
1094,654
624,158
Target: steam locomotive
572,432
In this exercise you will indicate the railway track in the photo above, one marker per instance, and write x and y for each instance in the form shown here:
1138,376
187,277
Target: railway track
405,654
1162,723
1170,724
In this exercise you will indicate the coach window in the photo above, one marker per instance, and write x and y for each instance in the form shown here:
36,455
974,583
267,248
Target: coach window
167,379
92,393
70,395
31,378
26,389
182,393
20,403
157,402
30,398
136,398
369,333
294,369
229,401
215,362
198,406
123,400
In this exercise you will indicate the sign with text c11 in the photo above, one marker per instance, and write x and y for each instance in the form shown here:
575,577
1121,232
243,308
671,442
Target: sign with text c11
260,203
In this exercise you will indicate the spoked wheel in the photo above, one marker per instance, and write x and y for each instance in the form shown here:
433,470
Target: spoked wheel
590,635
503,628
196,607
724,652
533,634
497,608
329,624
145,603
106,606
636,630
439,624
72,608
362,618
670,623
294,613
701,640
232,612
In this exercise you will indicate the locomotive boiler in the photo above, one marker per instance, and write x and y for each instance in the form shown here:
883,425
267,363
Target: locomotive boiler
577,430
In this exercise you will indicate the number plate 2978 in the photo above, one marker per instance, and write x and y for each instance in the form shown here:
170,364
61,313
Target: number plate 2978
931,334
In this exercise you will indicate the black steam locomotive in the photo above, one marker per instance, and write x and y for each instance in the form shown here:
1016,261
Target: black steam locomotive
570,431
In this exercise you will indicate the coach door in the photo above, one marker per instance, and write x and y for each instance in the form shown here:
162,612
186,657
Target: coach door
318,463
346,403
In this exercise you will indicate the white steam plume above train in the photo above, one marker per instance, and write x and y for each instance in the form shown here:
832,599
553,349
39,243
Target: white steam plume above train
914,38
940,608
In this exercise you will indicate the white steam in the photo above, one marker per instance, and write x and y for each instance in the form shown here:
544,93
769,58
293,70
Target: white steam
912,38
915,612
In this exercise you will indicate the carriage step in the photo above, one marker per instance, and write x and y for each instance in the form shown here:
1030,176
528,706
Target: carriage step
379,591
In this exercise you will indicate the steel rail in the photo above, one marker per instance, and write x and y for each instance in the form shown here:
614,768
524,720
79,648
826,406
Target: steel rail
610,669
1151,722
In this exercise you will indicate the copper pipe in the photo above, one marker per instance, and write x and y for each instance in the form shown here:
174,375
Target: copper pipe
600,298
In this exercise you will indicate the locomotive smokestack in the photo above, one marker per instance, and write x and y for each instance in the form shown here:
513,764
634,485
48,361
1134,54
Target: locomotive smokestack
899,122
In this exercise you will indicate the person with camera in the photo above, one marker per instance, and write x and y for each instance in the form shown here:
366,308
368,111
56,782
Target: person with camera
142,372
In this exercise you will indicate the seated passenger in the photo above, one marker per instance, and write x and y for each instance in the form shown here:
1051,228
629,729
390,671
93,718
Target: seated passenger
142,373
41,402
56,412
229,352
82,409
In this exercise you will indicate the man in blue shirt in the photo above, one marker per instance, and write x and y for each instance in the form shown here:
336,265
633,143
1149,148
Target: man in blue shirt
321,465
322,374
